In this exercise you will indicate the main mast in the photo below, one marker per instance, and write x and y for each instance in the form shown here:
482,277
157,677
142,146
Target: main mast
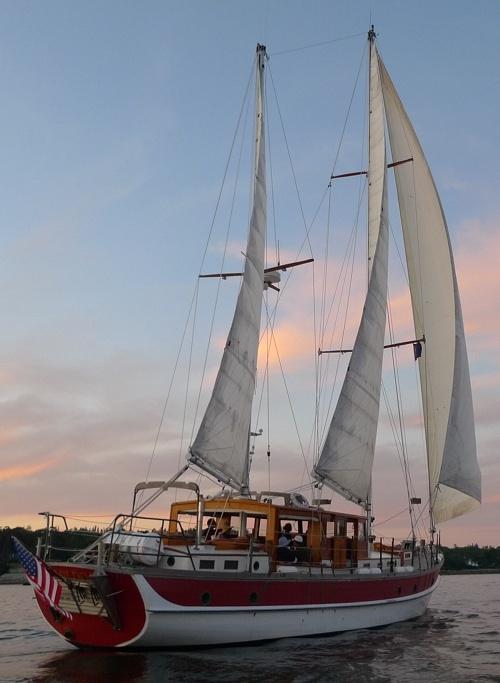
370,248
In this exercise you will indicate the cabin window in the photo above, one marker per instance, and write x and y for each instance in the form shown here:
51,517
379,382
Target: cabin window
330,529
186,525
350,529
230,564
259,530
207,564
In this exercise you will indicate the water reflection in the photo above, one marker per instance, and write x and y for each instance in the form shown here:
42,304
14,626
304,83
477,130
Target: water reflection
80,666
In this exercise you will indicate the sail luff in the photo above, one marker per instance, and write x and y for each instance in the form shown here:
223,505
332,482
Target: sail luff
221,444
454,475
346,459
376,155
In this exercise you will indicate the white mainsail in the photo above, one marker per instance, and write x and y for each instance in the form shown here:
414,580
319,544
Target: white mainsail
455,479
221,445
346,459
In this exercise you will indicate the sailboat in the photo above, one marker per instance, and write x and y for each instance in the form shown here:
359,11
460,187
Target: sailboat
246,565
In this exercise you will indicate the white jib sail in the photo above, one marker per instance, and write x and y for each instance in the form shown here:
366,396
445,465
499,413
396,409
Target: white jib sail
346,460
221,445
455,479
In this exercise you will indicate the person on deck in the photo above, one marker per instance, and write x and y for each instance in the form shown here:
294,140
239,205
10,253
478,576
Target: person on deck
286,551
227,530
209,531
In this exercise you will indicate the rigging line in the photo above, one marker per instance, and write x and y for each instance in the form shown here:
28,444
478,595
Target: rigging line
287,391
231,211
265,333
324,322
313,45
226,169
299,199
315,439
285,282
186,394
97,522
165,404
397,443
307,230
271,177
347,257
268,400
348,112
396,436
329,185
397,387
323,377
155,445
325,268
347,302
389,519
428,415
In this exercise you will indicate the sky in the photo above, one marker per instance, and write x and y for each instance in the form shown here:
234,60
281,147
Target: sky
115,128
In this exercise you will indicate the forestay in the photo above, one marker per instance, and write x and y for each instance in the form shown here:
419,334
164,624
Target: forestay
455,480
221,445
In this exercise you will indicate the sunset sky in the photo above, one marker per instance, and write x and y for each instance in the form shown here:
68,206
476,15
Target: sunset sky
115,127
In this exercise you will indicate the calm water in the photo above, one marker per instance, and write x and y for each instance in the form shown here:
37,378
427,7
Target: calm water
458,640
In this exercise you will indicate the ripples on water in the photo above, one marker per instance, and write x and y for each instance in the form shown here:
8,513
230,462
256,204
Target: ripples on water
458,641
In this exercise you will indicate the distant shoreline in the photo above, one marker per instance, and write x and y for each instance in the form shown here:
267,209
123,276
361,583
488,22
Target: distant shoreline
470,571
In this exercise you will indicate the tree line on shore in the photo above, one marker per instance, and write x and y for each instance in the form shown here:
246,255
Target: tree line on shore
456,558
63,543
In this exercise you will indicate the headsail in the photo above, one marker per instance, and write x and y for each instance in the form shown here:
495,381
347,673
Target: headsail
221,445
455,479
346,460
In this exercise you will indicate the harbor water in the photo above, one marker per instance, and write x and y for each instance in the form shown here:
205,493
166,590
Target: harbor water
456,641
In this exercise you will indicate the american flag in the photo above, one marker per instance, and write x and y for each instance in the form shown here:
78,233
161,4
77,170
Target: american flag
40,577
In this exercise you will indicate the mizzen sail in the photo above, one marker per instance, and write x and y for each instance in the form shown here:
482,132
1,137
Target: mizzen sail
455,479
346,459
221,444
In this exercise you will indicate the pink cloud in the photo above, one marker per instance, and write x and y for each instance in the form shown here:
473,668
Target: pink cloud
23,471
478,273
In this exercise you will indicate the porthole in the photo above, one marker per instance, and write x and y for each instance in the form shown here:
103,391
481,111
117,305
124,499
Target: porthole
253,598
256,565
205,598
170,561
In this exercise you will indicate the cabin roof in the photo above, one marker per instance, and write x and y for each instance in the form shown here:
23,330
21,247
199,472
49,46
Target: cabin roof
260,507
